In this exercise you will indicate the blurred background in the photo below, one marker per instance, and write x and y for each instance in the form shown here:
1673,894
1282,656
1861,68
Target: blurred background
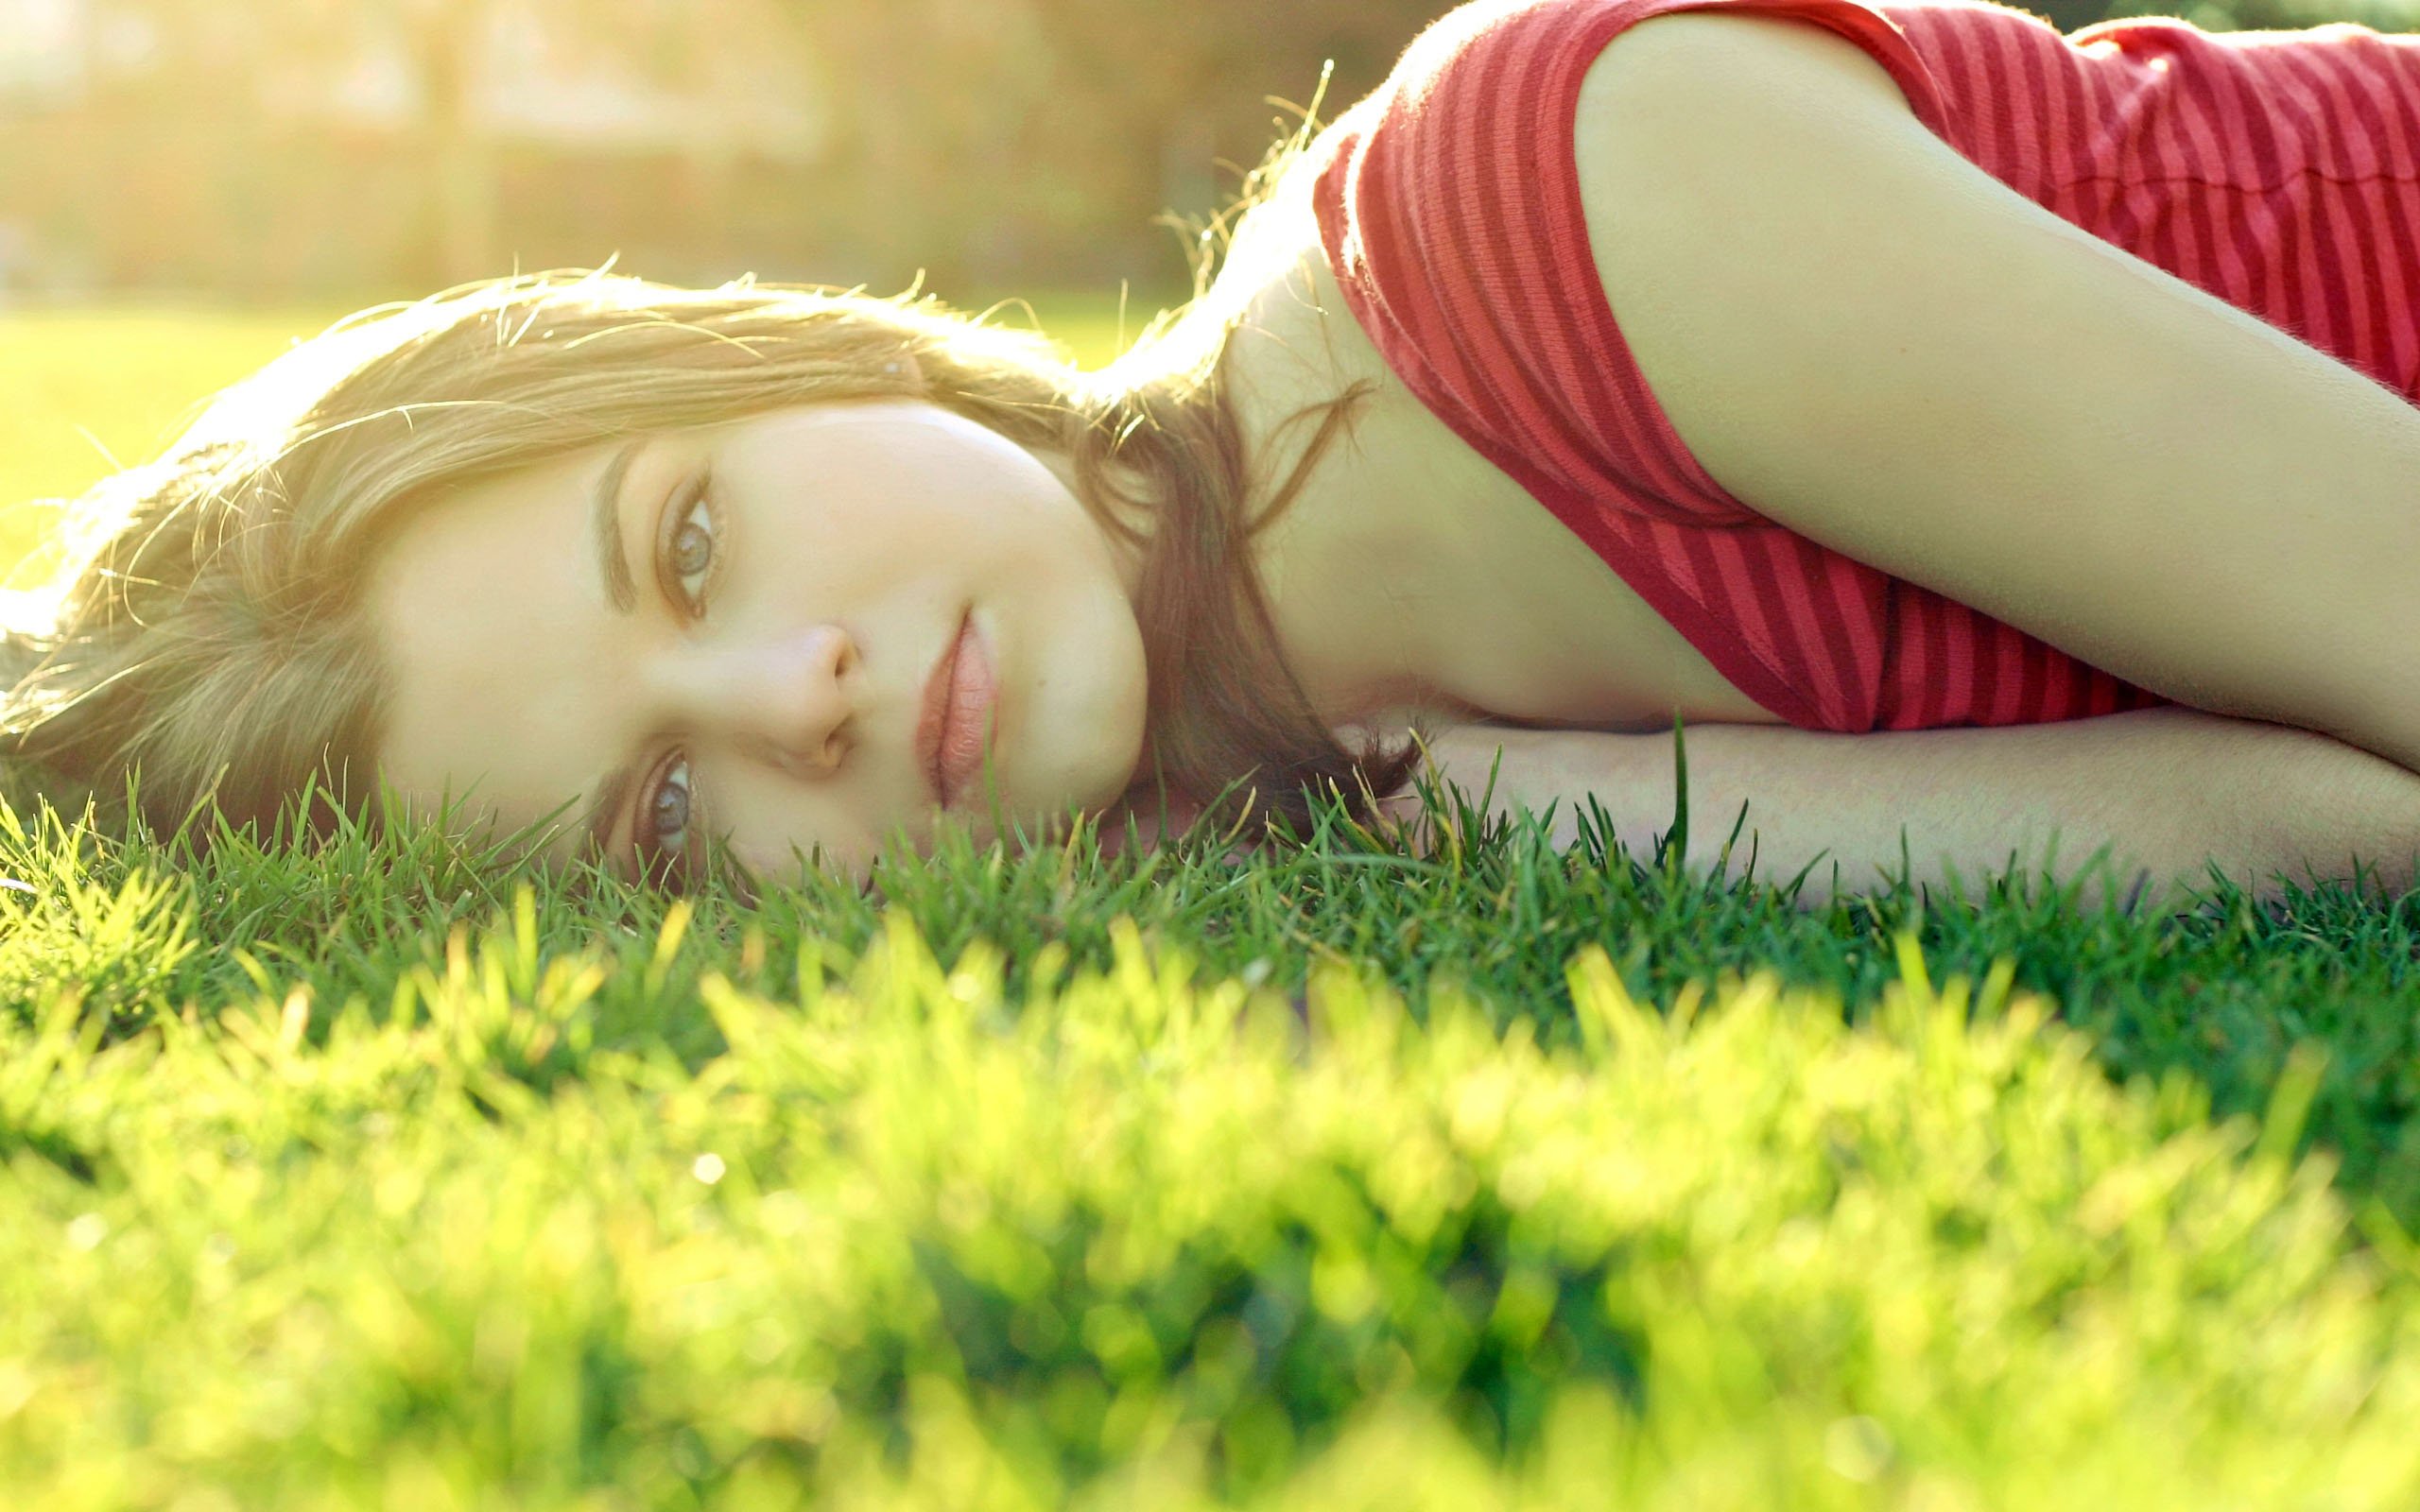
187,184
332,151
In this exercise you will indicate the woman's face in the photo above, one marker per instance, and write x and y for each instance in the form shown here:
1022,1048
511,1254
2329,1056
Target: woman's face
729,633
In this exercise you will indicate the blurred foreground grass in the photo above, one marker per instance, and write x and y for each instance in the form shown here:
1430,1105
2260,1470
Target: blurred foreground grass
1057,1185
81,386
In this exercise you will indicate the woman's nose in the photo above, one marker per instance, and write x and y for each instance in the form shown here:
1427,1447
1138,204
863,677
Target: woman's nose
785,698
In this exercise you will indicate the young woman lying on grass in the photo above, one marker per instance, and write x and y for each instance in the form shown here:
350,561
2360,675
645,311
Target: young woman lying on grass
1959,426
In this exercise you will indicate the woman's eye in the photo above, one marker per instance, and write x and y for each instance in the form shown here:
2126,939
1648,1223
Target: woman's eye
689,553
664,817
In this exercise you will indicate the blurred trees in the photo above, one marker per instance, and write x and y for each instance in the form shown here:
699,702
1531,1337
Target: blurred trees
1021,139
449,81
335,149
343,146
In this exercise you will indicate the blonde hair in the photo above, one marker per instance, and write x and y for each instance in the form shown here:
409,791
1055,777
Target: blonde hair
207,632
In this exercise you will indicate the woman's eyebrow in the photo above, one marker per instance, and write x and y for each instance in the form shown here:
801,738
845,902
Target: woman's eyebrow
605,527
621,594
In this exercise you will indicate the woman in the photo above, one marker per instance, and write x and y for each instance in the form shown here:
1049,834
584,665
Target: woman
1957,426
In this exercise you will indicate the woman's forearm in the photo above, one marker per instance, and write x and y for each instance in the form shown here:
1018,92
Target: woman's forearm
2170,791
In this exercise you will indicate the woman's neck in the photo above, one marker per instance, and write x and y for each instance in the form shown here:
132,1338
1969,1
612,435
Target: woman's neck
1353,580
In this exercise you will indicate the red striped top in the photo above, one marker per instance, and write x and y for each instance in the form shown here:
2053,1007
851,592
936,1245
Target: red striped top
2278,171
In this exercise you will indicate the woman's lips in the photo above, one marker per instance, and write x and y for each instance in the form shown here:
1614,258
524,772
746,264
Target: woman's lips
960,695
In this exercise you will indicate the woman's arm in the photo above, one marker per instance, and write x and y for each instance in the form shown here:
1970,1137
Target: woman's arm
1867,338
2170,790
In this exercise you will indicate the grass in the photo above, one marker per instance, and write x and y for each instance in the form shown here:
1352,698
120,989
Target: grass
381,1175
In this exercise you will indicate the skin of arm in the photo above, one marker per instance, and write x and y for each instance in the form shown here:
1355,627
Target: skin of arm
2170,791
1867,338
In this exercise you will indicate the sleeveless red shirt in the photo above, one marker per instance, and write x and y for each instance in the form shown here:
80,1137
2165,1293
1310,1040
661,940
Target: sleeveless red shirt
2277,171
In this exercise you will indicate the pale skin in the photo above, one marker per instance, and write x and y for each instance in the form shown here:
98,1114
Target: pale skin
1711,148
772,677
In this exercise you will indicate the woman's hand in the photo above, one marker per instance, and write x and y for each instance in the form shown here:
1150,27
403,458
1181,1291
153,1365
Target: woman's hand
2169,793
1150,829
1502,771
1526,771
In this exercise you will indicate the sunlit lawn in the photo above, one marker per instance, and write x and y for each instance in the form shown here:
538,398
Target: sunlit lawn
380,1174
